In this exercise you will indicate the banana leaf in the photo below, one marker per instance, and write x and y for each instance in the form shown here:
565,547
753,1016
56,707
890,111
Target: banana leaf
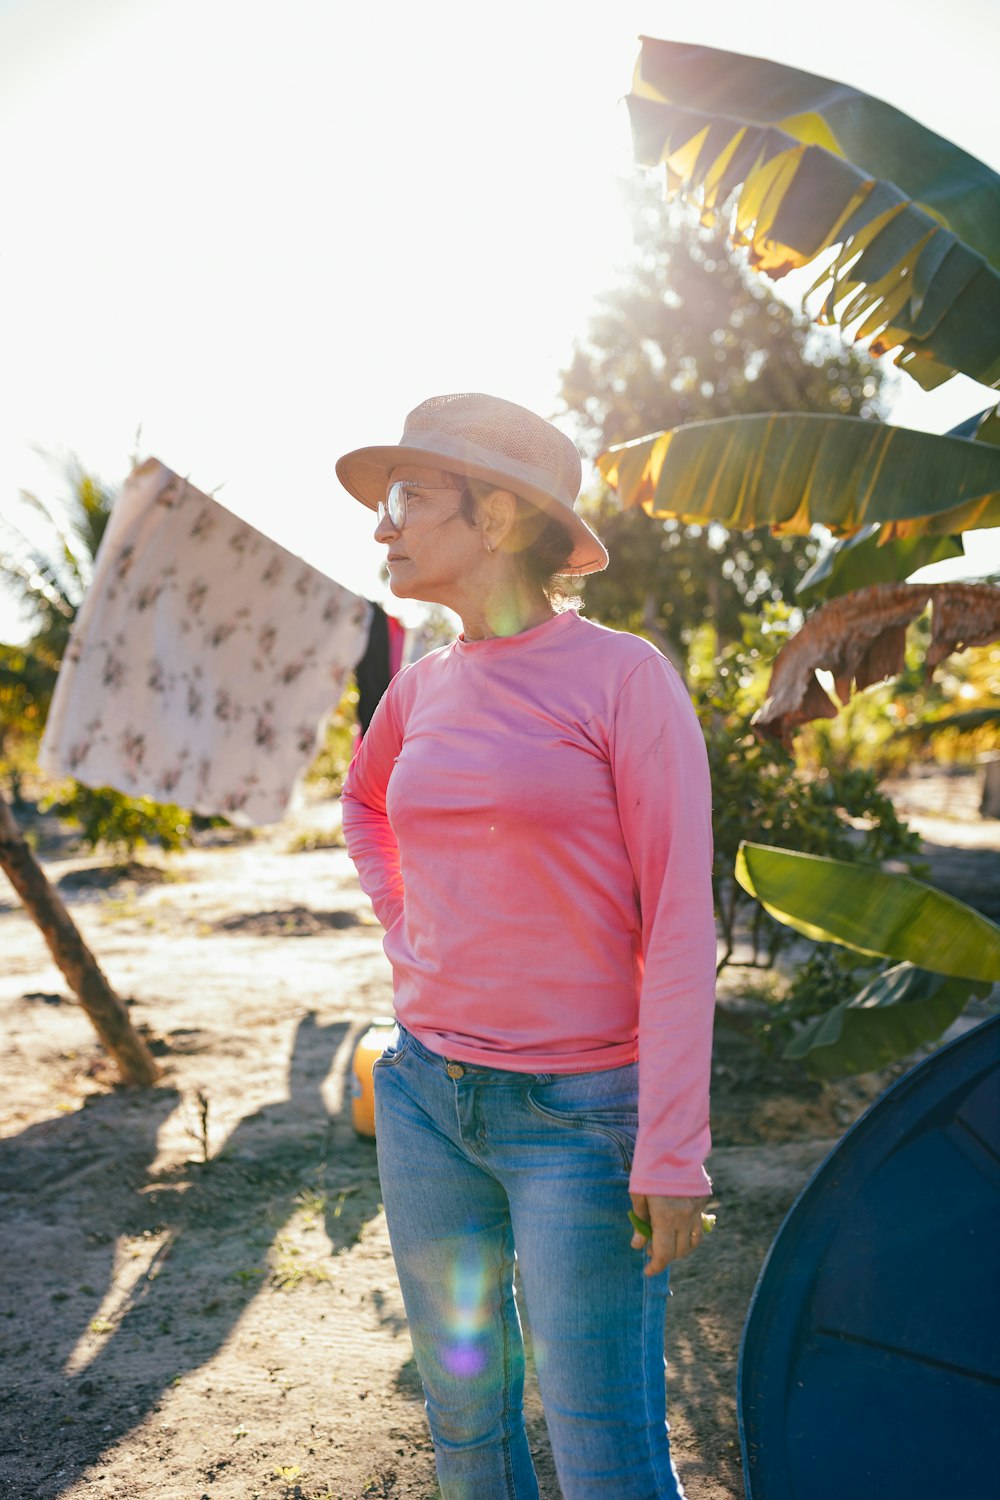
973,718
819,164
901,1009
854,562
860,907
789,470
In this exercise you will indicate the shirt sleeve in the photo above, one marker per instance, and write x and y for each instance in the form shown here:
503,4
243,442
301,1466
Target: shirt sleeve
660,768
368,834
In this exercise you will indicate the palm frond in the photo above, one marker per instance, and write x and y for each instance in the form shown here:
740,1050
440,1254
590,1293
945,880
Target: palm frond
54,557
34,582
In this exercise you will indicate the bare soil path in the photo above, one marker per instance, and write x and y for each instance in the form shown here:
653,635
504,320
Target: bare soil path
176,1328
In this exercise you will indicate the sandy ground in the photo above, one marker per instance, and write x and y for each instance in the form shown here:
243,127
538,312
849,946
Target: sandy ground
180,1328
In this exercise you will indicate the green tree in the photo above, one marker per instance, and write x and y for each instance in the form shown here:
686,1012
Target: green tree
688,335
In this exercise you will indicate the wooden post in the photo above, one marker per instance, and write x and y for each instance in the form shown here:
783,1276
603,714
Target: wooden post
78,964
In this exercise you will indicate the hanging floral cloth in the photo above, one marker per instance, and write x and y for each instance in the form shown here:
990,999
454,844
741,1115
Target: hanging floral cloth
203,661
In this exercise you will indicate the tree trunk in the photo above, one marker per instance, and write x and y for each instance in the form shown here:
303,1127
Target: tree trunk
661,641
989,806
74,958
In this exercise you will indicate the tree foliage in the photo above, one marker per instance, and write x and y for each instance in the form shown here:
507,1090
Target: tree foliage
49,578
760,794
688,335
25,689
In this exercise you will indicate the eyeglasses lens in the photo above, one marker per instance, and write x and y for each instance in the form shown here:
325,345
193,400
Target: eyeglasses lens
394,506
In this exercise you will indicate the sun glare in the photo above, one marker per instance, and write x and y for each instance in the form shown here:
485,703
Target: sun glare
263,235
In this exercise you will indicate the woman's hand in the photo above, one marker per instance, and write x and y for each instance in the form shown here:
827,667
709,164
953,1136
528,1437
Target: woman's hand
676,1224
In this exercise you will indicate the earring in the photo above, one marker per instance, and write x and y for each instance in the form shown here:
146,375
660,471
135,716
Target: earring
489,546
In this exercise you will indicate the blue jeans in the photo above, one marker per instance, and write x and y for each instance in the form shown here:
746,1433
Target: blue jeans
475,1162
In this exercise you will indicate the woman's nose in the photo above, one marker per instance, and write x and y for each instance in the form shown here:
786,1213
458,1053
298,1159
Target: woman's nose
384,529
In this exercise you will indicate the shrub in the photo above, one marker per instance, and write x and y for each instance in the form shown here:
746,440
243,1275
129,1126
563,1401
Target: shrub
122,823
759,792
332,759
829,976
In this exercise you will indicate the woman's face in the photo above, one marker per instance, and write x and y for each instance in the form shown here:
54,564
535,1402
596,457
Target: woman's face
431,556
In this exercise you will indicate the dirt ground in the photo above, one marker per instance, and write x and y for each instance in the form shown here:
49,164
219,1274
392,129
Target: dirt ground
198,1300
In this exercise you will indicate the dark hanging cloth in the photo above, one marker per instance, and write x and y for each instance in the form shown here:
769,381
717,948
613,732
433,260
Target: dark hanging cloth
397,643
373,671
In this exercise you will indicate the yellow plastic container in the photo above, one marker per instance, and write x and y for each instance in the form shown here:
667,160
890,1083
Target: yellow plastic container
371,1046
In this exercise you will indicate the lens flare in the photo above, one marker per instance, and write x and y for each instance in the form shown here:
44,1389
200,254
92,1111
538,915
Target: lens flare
463,1359
464,1351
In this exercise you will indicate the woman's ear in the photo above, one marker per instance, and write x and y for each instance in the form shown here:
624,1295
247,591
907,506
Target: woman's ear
497,515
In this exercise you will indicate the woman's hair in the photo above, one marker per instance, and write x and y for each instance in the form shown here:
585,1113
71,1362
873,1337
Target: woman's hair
540,543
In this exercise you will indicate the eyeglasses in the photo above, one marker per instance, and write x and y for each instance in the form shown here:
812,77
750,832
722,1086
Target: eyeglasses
394,505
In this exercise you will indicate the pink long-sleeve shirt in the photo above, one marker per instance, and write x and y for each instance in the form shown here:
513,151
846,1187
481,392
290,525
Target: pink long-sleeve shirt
531,817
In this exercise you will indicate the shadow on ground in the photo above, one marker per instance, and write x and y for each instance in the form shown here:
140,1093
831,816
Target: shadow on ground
227,1212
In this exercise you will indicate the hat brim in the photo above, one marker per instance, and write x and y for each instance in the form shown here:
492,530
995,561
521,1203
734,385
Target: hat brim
364,473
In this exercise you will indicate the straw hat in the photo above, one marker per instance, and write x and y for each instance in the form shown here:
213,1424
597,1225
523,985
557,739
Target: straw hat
487,438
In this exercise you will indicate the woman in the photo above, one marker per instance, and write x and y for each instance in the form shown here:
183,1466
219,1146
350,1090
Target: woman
530,814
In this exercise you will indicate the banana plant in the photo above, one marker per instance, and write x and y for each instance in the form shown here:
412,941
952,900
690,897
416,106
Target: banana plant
814,164
804,167
905,227
938,954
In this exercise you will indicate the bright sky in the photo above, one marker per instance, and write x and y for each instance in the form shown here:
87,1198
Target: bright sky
263,232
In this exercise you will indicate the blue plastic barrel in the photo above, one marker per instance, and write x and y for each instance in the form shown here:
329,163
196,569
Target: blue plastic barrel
870,1361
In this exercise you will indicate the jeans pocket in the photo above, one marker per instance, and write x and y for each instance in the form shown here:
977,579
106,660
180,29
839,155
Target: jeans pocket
395,1049
603,1103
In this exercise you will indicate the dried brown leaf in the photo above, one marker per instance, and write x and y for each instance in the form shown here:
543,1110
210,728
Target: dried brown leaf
968,614
860,639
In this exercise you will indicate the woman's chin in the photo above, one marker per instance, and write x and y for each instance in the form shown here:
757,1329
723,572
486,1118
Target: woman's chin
403,587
